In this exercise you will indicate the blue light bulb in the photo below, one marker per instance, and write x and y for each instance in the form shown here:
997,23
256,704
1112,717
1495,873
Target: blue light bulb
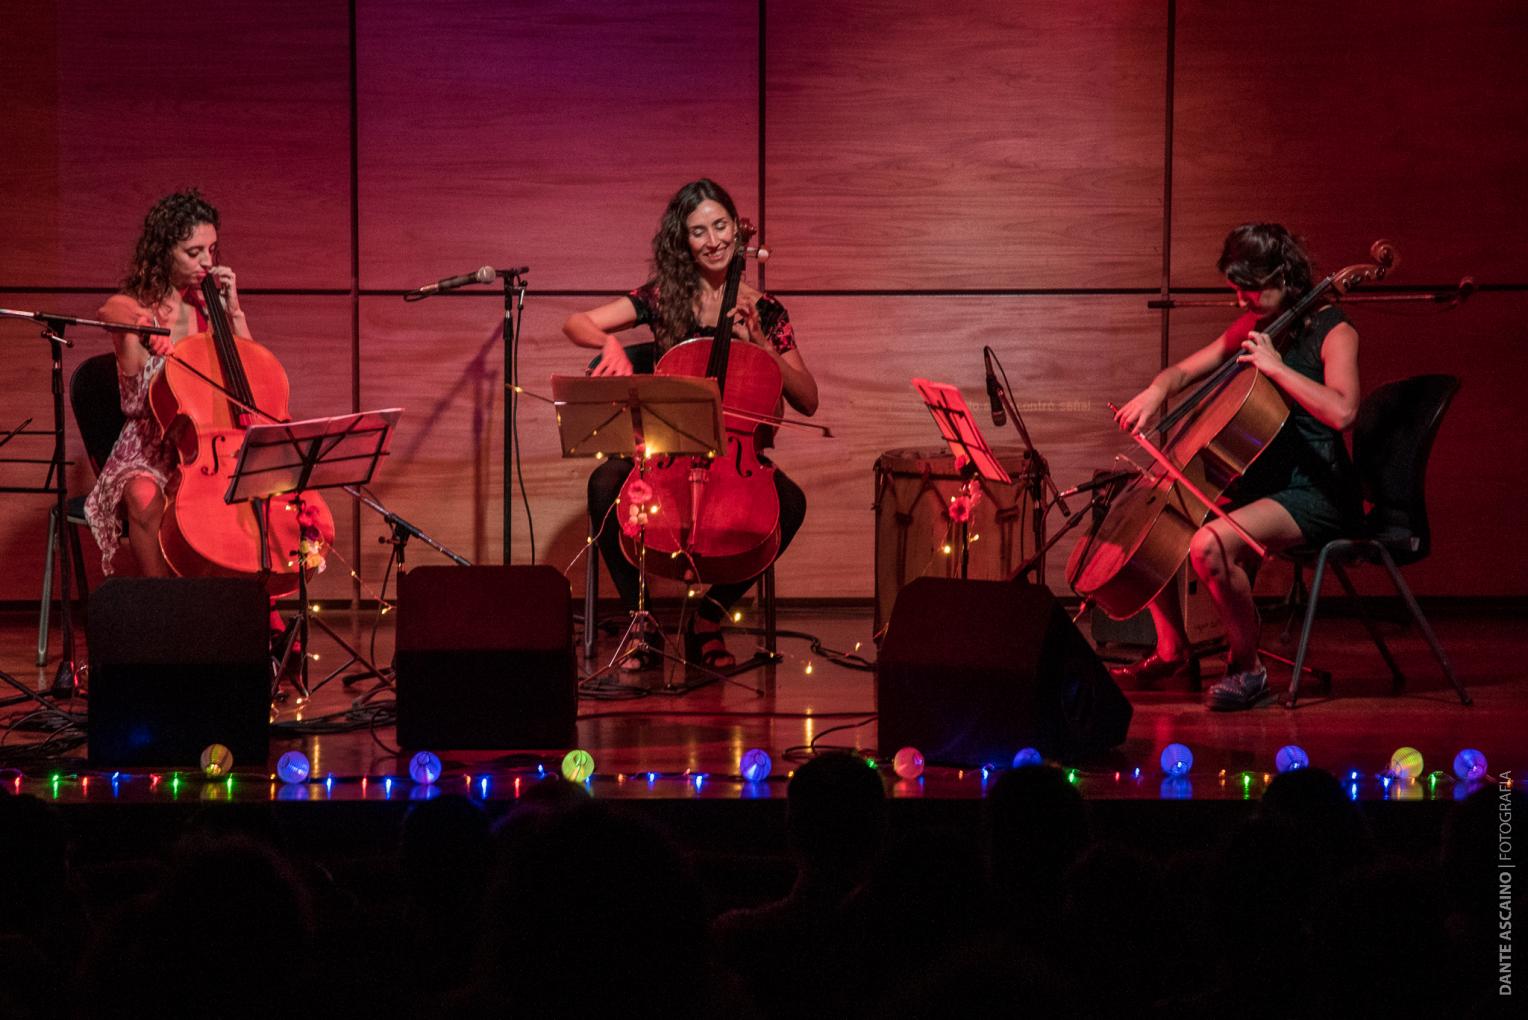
1291,757
755,765
425,767
293,767
1027,756
1470,765
1177,759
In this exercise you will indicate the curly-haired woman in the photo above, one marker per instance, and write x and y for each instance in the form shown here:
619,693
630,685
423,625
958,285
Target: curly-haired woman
177,249
691,251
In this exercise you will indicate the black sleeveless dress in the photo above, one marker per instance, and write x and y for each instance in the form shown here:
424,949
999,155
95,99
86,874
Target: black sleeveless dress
1306,469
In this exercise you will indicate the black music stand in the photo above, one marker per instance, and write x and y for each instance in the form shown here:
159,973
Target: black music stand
640,416
66,679
973,457
293,457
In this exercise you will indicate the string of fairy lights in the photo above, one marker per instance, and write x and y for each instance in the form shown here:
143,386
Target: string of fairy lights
428,775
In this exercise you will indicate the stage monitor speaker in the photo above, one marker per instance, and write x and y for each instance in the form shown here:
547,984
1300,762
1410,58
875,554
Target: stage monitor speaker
176,664
971,671
485,658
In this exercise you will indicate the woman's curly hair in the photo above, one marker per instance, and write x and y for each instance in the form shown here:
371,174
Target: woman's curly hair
169,223
1258,255
674,266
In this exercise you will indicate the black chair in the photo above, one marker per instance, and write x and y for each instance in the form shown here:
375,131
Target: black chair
96,402
1392,441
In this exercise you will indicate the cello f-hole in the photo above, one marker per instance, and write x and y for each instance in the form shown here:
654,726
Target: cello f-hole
214,468
737,458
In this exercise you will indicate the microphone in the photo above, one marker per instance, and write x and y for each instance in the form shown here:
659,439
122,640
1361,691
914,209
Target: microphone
484,274
1099,482
994,392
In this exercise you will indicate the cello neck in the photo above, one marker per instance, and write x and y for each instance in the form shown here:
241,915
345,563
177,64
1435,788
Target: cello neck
1275,329
721,345
1301,308
228,351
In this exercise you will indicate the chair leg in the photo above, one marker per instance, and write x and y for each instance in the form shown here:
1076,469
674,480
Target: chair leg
1293,600
767,596
591,599
45,608
1310,618
81,585
1397,678
1427,632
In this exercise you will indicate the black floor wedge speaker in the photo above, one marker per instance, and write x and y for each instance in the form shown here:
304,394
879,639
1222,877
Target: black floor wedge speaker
177,664
485,658
971,671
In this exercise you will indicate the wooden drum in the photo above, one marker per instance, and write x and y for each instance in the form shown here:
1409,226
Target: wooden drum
913,489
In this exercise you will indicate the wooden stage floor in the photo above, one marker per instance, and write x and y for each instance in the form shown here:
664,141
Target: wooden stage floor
648,743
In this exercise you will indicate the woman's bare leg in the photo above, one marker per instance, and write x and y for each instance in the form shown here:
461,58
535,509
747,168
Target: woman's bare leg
1167,616
1220,556
145,508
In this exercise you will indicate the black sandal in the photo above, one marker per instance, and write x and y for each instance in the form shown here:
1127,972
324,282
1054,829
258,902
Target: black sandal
707,648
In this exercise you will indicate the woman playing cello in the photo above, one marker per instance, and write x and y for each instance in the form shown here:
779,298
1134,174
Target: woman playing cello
178,247
695,242
1301,489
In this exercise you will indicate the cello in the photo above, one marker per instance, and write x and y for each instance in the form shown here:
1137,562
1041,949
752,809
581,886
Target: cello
1211,439
210,390
717,519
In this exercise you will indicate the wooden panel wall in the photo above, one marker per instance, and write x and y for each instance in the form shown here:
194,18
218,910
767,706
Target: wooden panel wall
547,134
965,144
932,178
111,105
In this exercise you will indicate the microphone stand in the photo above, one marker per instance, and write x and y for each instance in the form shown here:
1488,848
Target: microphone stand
402,531
514,302
1102,496
1042,487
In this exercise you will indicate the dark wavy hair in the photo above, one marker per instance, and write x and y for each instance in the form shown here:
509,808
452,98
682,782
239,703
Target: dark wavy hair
674,266
1258,255
168,223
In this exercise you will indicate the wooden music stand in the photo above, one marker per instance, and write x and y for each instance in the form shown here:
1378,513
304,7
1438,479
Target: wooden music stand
293,457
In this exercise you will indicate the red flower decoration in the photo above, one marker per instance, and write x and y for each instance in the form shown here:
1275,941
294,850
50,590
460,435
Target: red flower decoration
961,507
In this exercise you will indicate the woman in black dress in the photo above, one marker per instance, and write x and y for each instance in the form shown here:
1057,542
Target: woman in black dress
691,251
1301,489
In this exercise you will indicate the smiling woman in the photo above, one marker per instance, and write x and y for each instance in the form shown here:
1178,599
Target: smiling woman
177,249
692,250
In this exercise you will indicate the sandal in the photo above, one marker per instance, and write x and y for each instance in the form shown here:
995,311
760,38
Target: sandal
707,648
